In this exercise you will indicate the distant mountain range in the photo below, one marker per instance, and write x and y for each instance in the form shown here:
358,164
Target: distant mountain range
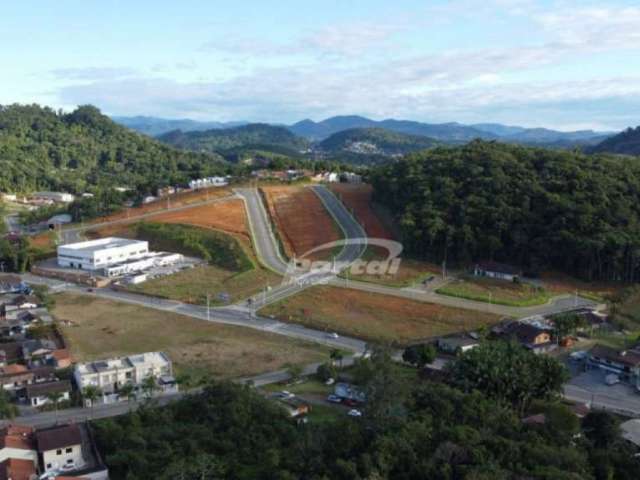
374,141
154,126
625,143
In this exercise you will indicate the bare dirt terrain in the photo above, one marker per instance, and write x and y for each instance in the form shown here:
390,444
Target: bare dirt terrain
97,328
375,317
357,198
301,219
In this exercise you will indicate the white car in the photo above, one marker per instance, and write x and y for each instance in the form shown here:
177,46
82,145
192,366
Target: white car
354,413
612,379
332,335
286,394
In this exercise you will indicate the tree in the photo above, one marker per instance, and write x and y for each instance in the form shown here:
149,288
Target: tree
508,373
91,393
337,356
149,386
419,355
325,371
127,390
295,371
7,409
601,428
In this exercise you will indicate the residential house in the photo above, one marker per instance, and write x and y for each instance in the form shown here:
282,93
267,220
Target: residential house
625,363
295,406
12,284
109,375
61,358
16,377
534,338
455,344
37,351
497,270
62,451
631,431
37,394
349,391
10,352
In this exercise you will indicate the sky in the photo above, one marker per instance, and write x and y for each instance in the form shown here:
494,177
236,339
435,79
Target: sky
567,65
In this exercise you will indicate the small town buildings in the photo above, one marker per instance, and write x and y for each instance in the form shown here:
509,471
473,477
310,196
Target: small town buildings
16,377
56,197
326,177
110,375
455,344
530,336
208,182
12,284
497,270
58,220
350,177
98,254
38,394
624,363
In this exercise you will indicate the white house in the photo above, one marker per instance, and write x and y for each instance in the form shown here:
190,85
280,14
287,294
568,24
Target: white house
101,253
110,375
60,448
37,394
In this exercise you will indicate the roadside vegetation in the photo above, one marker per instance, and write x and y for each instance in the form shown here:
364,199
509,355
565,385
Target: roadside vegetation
469,428
500,292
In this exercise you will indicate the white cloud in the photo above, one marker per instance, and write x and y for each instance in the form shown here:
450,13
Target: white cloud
92,73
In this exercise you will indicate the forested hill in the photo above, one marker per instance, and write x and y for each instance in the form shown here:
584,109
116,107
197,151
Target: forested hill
533,207
625,143
44,149
220,140
375,141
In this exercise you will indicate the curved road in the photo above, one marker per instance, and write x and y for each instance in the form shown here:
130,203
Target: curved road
266,244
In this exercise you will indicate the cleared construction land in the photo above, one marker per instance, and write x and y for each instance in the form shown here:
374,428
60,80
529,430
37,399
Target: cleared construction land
501,292
96,328
373,316
300,218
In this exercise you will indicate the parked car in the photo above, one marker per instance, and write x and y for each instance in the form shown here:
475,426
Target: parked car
350,402
612,379
332,335
334,399
354,413
578,356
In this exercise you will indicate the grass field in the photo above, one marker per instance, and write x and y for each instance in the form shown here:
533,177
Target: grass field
500,292
300,218
559,283
373,316
192,286
103,328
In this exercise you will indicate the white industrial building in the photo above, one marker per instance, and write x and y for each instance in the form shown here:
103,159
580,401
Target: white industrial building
114,257
101,253
61,197
208,182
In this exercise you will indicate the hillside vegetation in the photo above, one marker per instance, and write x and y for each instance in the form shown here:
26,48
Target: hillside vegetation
375,141
256,135
533,207
625,143
44,149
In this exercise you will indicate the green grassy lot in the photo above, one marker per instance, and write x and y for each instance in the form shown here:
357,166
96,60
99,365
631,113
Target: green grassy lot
500,292
410,271
193,285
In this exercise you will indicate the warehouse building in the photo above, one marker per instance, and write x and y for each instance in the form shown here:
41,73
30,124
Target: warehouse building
94,255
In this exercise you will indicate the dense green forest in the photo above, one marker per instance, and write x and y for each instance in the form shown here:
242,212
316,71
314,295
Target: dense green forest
410,429
625,143
44,149
533,207
257,136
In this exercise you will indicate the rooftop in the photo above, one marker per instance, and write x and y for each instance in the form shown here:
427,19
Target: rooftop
101,244
58,437
631,431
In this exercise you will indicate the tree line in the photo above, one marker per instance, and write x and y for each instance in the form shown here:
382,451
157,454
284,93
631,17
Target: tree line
533,207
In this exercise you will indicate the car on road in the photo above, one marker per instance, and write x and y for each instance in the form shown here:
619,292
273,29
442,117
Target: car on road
350,402
285,394
334,399
333,335
354,412
578,356
90,290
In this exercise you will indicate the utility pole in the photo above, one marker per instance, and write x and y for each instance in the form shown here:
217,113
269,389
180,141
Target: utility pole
575,299
208,307
444,269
